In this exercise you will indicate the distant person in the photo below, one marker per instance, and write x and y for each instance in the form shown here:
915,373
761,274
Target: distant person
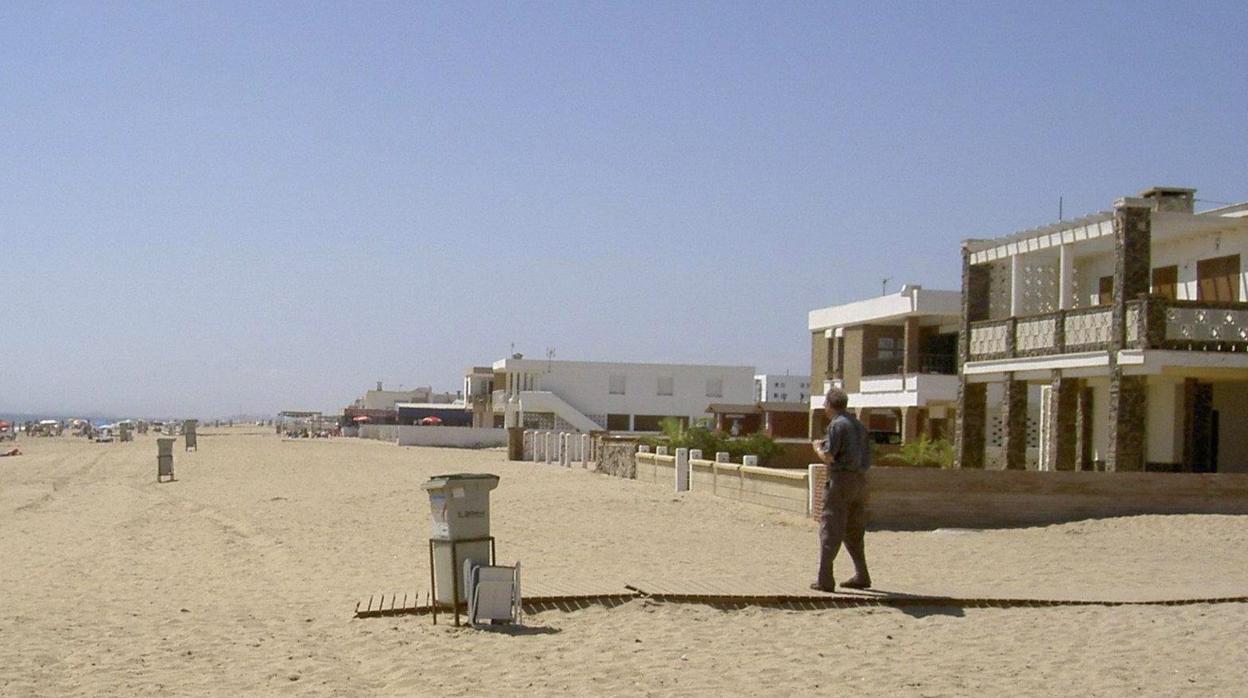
847,452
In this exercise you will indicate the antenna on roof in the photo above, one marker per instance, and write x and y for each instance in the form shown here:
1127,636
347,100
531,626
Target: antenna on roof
550,355
1060,212
884,285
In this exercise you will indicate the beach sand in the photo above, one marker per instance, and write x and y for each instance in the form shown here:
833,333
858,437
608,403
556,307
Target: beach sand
241,578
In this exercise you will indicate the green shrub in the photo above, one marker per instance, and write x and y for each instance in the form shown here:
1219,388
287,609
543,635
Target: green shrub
700,436
928,453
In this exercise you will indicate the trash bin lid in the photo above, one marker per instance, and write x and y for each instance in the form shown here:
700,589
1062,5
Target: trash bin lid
438,482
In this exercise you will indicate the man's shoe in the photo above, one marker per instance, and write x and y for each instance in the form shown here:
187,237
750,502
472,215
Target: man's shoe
819,587
857,583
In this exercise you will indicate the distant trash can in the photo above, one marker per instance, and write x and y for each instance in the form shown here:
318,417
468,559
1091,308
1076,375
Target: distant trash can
188,432
164,459
459,507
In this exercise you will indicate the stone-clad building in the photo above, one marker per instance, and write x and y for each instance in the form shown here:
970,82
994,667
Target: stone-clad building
1129,326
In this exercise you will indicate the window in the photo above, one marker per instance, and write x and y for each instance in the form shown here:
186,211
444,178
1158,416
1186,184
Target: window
1218,279
1105,290
715,387
617,384
666,385
617,422
1166,282
651,422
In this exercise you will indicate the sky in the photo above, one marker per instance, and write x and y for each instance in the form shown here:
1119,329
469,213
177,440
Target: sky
222,208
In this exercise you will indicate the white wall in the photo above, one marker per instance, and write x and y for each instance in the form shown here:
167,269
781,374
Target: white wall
1165,419
585,386
1185,252
453,437
1100,417
1088,273
782,388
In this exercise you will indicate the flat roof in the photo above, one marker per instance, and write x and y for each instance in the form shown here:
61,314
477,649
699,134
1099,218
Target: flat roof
909,301
537,364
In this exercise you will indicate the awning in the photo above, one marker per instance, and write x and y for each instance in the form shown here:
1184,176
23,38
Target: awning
361,418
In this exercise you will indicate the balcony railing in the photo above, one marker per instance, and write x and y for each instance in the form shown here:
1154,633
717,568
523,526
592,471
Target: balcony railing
1151,322
945,364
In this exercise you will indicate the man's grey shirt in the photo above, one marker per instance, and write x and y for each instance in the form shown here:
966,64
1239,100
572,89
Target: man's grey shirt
847,444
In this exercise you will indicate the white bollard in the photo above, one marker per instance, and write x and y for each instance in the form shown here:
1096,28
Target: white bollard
550,447
585,446
660,450
721,457
695,454
682,470
564,455
750,460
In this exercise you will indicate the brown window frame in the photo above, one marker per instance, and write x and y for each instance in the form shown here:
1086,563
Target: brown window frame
1165,282
1217,279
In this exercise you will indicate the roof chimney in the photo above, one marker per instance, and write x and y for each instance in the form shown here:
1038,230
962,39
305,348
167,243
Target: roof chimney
1171,199
379,386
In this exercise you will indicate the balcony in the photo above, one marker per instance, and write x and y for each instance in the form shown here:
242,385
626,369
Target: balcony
1151,322
942,364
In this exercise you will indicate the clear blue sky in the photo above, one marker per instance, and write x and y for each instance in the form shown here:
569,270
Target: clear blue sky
214,207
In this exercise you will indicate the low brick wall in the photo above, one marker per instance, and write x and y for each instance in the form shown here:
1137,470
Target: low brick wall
929,498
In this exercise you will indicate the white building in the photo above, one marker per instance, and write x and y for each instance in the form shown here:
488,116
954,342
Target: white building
381,399
1132,323
593,396
895,356
772,387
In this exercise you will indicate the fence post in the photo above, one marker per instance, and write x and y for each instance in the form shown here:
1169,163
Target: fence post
695,454
682,470
751,461
660,450
642,448
721,457
585,445
550,447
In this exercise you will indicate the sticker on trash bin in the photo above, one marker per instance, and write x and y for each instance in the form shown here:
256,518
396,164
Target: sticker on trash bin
457,492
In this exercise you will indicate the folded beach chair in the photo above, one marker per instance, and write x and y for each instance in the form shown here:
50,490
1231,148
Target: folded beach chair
493,593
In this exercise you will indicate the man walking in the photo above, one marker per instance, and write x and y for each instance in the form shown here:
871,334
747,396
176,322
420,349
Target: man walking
847,452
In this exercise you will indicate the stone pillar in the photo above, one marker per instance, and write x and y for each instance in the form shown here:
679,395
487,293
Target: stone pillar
695,454
970,424
751,461
1083,429
721,457
1128,414
660,450
1128,400
1014,407
1062,438
909,424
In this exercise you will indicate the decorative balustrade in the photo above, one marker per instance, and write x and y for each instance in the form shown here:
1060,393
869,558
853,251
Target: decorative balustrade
1199,326
1151,322
989,339
1088,329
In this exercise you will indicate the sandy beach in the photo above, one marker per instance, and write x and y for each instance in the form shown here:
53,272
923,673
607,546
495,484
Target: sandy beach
242,577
